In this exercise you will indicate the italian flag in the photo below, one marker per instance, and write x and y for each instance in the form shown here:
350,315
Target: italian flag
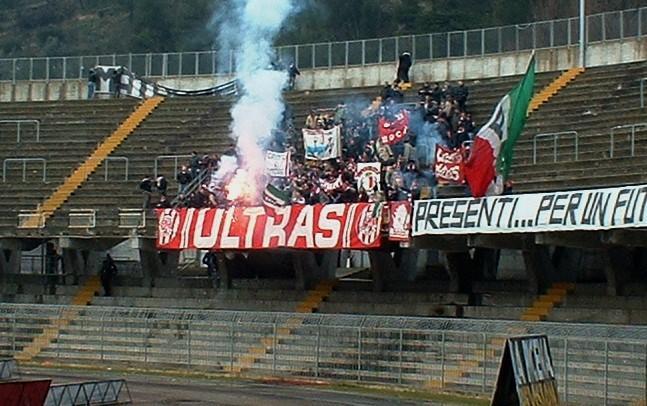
274,198
491,154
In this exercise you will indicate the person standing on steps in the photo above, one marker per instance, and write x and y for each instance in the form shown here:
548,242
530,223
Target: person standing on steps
404,65
108,273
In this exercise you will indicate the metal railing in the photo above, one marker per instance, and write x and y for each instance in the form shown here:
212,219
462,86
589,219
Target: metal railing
451,354
24,161
8,369
555,137
110,392
18,127
175,158
116,158
82,218
614,25
132,218
642,92
632,141
25,219
191,187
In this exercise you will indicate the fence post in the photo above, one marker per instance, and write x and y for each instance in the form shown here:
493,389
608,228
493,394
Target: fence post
13,332
379,51
484,362
400,358
274,347
231,347
431,47
197,64
566,371
314,56
103,315
145,342
606,372
188,343
482,41
442,361
359,353
319,349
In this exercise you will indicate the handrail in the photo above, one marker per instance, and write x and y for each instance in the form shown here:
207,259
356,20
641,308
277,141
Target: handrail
191,187
25,219
165,157
132,213
633,128
555,136
24,167
116,158
90,214
26,121
642,92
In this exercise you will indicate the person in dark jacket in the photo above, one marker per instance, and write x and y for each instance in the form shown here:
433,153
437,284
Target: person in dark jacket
209,259
293,72
92,83
146,186
183,179
195,164
108,272
404,65
461,92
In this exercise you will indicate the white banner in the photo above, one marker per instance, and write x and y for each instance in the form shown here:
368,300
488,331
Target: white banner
597,209
277,164
322,144
368,176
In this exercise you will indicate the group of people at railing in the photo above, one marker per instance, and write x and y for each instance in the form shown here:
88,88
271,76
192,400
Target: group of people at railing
403,164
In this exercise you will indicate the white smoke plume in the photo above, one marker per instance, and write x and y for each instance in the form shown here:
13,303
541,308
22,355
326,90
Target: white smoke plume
249,31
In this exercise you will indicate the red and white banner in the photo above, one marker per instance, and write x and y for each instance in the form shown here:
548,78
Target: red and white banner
393,131
354,226
449,165
400,221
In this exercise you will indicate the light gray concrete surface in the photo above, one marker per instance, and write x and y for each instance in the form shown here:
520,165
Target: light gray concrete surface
166,391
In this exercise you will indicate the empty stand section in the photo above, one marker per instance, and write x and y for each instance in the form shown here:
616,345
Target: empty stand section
80,174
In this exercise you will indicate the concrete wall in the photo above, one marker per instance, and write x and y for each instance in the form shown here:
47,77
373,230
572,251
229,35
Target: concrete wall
511,63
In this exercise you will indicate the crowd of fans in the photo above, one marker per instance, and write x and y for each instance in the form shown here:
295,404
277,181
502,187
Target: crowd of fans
440,117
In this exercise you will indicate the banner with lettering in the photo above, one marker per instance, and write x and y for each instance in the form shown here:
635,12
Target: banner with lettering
449,165
322,144
277,164
332,226
400,221
595,209
393,130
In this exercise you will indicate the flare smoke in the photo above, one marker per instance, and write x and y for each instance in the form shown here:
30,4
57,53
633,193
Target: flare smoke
249,31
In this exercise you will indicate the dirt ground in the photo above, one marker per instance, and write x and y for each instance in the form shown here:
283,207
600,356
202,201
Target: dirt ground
173,391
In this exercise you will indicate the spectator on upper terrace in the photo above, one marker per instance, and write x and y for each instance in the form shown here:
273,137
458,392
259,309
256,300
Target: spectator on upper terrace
293,72
404,65
146,186
460,94
92,83
183,179
210,260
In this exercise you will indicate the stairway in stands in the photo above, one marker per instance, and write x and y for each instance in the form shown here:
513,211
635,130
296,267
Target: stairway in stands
80,174
82,298
308,305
